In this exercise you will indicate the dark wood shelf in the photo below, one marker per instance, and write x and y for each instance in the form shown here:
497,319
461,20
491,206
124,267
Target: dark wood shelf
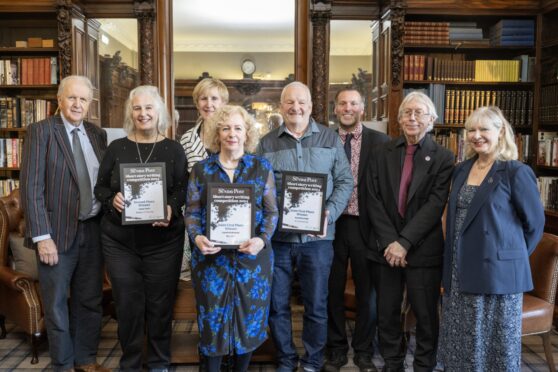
549,84
456,46
546,167
549,43
13,129
9,169
19,86
446,126
472,83
551,212
548,125
14,50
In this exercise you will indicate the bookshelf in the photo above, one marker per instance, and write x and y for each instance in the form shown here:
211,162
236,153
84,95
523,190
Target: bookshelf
29,76
547,129
463,62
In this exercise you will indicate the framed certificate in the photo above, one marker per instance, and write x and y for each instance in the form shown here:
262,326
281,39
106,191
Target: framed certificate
230,214
303,203
144,189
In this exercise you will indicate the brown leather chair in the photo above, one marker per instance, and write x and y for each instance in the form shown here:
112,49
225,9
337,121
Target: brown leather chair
20,301
19,294
538,305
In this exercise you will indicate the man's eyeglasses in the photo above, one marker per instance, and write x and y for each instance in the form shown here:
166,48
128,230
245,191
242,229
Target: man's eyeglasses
419,114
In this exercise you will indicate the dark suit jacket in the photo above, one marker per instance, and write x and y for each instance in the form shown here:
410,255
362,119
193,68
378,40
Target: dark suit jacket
49,186
504,223
421,230
370,140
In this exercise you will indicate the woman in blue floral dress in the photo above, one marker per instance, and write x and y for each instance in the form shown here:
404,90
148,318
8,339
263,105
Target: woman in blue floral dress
495,220
232,286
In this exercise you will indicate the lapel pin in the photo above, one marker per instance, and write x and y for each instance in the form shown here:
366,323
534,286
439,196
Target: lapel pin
490,180
427,158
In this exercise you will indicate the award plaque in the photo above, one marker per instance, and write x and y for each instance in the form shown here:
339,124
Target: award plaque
144,189
303,203
230,214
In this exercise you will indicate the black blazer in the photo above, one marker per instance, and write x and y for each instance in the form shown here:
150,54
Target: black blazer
420,232
371,139
49,186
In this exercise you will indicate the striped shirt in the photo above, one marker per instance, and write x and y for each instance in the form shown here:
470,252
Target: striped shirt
193,146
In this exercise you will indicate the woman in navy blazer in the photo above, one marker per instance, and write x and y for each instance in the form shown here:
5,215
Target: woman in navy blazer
494,221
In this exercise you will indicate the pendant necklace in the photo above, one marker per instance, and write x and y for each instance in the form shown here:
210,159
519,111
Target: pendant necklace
150,153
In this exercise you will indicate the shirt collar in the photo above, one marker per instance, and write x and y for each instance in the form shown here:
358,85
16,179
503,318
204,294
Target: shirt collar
402,142
313,127
70,127
356,133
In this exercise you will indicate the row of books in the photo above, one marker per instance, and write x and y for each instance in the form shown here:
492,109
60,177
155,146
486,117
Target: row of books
507,32
18,112
423,67
549,104
29,71
513,32
10,152
455,141
548,188
516,105
8,185
548,149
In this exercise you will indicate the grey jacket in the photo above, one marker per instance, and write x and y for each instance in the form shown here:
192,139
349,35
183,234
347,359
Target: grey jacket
319,150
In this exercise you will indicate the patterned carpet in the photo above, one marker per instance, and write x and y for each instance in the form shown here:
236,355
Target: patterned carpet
15,350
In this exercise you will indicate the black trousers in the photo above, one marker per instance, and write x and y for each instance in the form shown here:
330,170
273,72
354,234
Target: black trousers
144,281
74,333
423,293
348,244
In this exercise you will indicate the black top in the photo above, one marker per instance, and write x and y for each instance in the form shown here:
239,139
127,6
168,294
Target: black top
108,184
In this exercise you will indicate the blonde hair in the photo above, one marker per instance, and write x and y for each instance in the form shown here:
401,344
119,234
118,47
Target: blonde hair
506,149
218,119
209,83
163,118
420,98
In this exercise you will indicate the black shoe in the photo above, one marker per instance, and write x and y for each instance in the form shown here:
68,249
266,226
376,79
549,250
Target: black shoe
397,369
364,363
335,360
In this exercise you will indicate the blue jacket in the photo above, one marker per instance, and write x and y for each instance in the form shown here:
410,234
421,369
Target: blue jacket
504,223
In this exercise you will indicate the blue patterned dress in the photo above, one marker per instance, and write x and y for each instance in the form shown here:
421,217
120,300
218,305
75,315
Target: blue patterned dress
232,288
479,333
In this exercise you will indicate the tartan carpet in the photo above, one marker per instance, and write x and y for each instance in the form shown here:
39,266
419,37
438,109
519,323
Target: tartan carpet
15,350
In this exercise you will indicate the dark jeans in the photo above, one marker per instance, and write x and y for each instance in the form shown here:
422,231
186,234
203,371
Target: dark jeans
144,280
73,336
312,261
348,244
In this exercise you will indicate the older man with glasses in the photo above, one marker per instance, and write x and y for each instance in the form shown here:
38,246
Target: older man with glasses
408,184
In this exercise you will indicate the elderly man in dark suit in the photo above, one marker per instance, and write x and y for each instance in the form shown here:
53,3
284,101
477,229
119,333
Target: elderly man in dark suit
408,185
59,169
351,236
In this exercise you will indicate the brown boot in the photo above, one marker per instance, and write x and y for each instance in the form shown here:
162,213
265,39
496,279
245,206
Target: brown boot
93,367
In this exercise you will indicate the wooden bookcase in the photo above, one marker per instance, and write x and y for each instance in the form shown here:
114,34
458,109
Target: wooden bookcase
28,85
548,107
450,71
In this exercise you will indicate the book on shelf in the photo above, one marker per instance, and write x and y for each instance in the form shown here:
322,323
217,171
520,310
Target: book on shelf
10,152
548,189
18,112
545,153
28,71
8,185
549,104
513,32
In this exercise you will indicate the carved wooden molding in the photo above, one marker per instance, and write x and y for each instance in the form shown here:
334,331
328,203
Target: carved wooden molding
64,18
320,14
397,16
145,13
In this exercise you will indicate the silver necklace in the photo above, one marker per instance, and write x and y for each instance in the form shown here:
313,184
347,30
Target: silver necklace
150,153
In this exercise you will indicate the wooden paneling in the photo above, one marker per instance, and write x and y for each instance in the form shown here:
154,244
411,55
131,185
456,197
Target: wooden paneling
302,41
108,8
548,5
78,46
24,6
356,9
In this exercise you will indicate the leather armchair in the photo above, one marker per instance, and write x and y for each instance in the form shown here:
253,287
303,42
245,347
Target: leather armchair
20,299
19,295
538,305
